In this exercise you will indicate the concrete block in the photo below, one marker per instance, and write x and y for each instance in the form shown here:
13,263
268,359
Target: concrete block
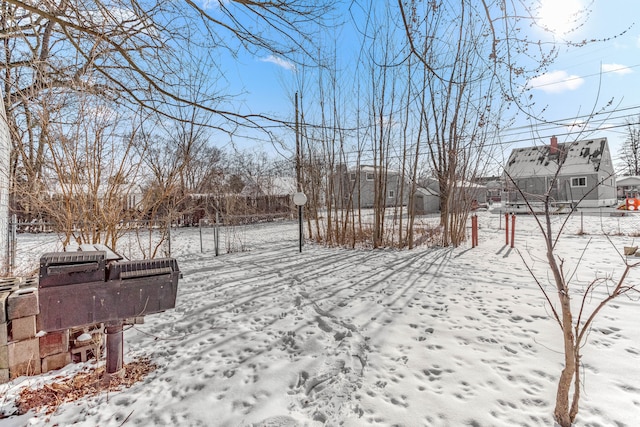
22,303
55,361
24,358
22,328
53,343
4,375
4,357
4,334
10,285
3,306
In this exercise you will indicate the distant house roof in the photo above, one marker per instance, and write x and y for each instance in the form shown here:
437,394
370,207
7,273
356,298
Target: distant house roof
628,181
427,191
270,186
433,185
577,157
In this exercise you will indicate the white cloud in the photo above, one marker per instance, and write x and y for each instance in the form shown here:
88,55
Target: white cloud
616,69
556,82
280,62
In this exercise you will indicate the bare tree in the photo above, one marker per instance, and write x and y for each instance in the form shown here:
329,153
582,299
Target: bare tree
576,321
360,143
462,100
138,50
630,150
91,177
135,55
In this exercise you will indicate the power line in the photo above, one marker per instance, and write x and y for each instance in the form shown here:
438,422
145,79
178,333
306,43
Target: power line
573,78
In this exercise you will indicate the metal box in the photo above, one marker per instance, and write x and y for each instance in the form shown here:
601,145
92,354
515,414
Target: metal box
78,288
65,268
144,287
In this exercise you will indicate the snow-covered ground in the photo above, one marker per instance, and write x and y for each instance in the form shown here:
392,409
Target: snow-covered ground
328,337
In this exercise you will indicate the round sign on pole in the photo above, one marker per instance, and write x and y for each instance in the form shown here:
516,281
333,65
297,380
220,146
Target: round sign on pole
299,199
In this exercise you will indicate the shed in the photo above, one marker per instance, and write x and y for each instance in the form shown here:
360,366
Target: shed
628,186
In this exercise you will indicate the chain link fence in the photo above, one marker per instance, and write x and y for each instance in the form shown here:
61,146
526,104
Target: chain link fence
152,239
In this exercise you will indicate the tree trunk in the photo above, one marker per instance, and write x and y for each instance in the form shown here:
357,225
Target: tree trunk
562,411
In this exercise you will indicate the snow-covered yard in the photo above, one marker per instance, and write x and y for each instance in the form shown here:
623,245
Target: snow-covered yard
428,337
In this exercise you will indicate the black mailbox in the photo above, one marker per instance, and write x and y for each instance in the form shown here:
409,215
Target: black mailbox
66,268
144,287
81,288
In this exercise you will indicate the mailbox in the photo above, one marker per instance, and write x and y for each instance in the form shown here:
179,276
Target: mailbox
66,268
81,288
144,287
95,286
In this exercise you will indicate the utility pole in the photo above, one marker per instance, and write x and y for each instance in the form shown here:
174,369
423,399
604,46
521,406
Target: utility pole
299,199
298,151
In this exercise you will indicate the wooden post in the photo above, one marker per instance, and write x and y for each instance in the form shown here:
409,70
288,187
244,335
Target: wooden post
506,227
476,224
513,229
474,231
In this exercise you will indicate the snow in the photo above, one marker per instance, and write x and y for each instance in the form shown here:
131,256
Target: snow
428,337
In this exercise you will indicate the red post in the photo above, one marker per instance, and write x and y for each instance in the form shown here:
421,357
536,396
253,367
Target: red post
506,227
513,229
474,230
475,217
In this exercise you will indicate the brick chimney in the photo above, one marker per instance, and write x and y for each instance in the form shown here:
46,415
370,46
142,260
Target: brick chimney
553,148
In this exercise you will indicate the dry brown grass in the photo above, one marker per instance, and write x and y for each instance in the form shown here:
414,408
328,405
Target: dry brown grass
82,385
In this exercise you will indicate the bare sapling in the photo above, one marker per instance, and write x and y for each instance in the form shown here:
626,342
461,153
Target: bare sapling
573,306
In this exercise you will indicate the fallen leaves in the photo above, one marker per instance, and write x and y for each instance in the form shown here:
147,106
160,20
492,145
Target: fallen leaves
83,384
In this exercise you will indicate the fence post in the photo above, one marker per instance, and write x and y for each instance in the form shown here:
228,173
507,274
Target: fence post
506,227
477,231
474,231
13,243
169,236
7,260
513,229
200,230
216,234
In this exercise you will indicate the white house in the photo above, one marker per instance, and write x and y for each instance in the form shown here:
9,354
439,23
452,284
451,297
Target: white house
359,185
628,186
586,177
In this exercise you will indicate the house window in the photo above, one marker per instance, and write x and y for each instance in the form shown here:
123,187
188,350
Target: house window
369,176
353,176
392,194
579,181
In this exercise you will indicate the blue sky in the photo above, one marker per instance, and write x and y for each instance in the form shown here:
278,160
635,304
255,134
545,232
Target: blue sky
602,76
586,79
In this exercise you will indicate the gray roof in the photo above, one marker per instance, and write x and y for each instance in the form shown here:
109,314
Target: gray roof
578,157
628,181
